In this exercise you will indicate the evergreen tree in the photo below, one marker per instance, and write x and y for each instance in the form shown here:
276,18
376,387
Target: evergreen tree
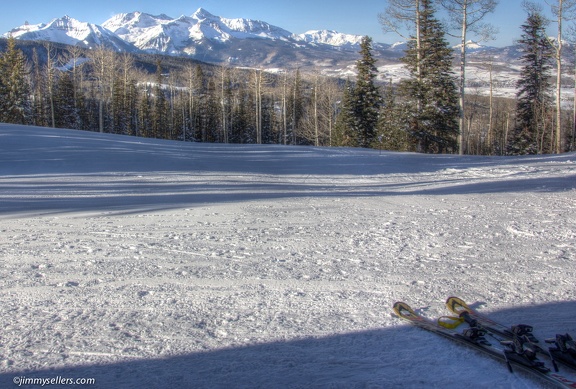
14,88
39,109
212,114
390,133
145,115
241,119
431,93
367,99
343,128
160,107
296,108
534,87
197,91
66,114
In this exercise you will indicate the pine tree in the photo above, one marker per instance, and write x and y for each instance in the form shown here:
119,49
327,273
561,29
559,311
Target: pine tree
241,119
343,128
160,106
534,87
367,99
295,108
196,105
145,115
390,132
39,108
212,113
431,92
14,88
66,113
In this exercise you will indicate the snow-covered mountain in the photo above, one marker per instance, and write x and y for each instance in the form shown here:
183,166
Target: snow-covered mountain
163,34
203,36
70,31
331,38
246,42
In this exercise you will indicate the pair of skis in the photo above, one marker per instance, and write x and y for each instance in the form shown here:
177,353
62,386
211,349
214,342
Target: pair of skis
520,348
563,349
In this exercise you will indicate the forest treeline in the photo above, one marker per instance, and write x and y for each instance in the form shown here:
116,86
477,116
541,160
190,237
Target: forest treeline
106,91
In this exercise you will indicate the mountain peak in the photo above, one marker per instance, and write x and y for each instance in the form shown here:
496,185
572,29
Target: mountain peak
64,22
201,13
70,31
331,37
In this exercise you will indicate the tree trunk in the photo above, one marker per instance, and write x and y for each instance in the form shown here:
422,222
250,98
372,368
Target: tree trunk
462,79
558,146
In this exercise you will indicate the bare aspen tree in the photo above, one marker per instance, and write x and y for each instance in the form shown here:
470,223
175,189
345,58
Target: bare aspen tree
195,85
403,18
234,100
491,107
223,76
573,137
257,83
127,65
296,105
562,10
103,62
329,105
315,110
190,74
51,75
284,108
260,79
171,102
75,62
467,15
38,116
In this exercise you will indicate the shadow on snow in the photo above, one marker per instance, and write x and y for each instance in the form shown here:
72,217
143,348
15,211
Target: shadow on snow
401,356
46,171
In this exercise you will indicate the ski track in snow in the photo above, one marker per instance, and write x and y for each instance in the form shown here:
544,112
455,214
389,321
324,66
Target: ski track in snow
168,264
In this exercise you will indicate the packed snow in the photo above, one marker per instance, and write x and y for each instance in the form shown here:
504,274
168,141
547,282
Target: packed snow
146,263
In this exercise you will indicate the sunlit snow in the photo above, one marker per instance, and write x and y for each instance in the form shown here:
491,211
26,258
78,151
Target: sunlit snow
160,264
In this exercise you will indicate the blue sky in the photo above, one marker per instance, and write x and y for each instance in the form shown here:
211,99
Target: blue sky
297,16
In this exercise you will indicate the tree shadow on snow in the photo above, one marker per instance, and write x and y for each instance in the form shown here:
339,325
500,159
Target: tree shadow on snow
38,150
45,171
77,194
401,356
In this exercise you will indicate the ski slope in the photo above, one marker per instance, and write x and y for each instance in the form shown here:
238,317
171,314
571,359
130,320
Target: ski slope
147,263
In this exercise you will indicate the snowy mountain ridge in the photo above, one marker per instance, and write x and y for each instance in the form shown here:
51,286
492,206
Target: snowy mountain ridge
70,31
331,37
253,43
164,34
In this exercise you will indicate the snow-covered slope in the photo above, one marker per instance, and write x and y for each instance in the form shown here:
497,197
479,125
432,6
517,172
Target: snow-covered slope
147,263
71,32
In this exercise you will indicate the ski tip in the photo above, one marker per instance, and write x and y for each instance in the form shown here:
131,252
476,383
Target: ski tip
457,305
399,304
454,298
403,310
